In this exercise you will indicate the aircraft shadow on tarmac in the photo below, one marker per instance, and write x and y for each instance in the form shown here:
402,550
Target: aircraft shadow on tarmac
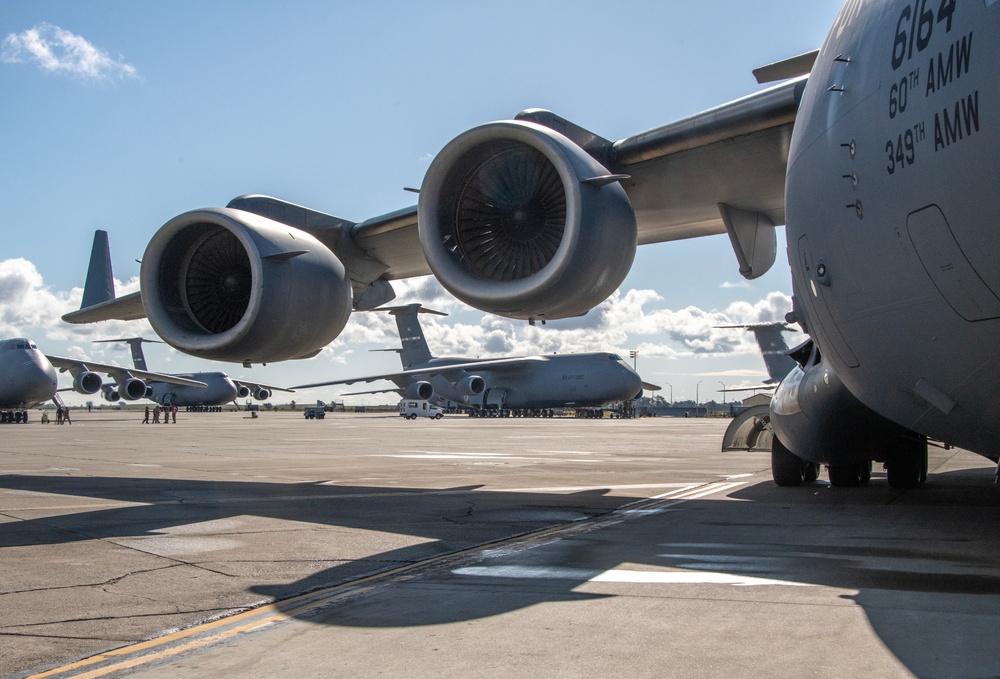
925,576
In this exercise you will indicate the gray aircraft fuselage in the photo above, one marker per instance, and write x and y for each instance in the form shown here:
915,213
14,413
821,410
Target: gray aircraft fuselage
584,380
27,378
219,390
892,227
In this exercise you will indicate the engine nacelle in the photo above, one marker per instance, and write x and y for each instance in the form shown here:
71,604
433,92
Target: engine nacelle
230,285
517,220
149,392
132,389
262,394
87,382
110,394
418,390
243,391
473,385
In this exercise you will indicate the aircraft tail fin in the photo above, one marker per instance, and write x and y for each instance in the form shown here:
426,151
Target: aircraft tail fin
100,285
773,348
411,335
135,344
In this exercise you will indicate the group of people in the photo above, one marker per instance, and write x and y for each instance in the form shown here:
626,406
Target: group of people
166,411
62,416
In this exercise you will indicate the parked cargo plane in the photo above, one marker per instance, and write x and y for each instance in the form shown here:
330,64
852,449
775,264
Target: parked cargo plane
529,385
28,378
882,164
219,388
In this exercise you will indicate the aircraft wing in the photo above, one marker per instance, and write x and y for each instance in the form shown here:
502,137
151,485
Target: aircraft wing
650,387
117,372
256,385
373,391
443,369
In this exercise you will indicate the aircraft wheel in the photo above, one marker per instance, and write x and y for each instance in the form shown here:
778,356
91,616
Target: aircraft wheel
846,475
907,466
786,467
811,472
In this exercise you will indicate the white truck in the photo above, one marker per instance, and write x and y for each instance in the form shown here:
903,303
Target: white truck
411,410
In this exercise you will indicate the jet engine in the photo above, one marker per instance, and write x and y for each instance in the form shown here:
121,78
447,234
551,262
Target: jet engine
230,285
87,382
473,385
242,391
131,388
262,394
419,390
517,220
109,393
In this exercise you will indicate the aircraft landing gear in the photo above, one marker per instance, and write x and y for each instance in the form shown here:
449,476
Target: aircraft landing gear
788,469
906,465
849,475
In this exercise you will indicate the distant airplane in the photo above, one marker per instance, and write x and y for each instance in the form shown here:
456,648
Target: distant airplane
880,159
28,378
529,385
219,387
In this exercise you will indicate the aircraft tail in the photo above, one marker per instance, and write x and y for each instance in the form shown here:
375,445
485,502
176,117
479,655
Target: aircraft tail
773,348
100,285
135,344
411,335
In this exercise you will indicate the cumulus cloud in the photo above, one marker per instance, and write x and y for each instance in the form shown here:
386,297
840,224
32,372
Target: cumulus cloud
27,307
626,320
57,50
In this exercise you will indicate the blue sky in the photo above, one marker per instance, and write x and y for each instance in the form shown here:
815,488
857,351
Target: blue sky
140,111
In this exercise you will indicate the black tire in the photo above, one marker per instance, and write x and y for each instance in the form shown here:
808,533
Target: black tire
787,468
907,466
845,475
812,472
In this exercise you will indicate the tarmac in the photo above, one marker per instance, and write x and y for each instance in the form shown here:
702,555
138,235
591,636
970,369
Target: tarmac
366,545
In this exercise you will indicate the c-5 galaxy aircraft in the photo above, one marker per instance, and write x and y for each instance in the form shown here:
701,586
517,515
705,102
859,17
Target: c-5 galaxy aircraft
28,378
882,163
219,387
529,385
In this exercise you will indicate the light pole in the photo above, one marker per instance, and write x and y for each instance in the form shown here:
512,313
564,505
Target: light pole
633,355
671,392
697,398
723,392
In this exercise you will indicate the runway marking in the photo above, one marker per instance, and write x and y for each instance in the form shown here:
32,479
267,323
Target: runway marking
619,575
214,631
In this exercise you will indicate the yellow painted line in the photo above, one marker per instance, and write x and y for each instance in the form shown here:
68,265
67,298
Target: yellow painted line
267,614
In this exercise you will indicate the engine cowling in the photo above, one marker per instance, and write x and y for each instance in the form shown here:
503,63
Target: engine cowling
87,382
418,390
517,220
110,394
262,394
132,389
229,285
473,385
242,391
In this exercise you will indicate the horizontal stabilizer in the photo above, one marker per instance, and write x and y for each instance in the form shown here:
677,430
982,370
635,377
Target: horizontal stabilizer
787,68
127,308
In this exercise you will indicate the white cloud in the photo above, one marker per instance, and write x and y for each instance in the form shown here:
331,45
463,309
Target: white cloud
27,306
57,50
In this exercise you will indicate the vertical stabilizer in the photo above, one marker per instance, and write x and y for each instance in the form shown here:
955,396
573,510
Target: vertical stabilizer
100,285
411,335
774,349
135,344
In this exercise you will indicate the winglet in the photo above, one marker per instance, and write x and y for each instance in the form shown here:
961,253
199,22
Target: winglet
100,285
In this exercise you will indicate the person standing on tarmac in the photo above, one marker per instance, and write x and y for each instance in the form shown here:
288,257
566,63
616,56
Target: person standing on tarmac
145,420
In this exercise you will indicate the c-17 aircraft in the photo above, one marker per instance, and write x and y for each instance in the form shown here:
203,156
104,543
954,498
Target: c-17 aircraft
219,387
879,154
528,385
28,378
